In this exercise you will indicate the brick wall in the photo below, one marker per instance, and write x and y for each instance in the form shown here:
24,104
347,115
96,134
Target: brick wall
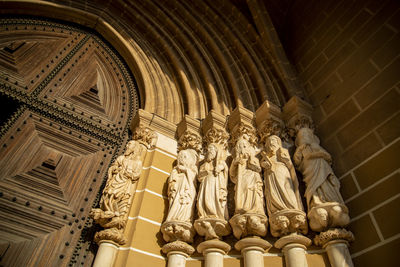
347,55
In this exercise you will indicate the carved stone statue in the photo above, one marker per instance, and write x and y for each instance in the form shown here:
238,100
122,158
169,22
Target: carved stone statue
181,195
249,200
212,195
284,205
116,198
326,207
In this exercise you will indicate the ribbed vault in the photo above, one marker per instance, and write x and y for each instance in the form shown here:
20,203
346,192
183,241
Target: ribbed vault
188,57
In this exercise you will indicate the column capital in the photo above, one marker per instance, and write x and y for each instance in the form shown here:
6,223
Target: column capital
178,247
213,129
188,134
213,245
241,123
338,234
293,239
269,120
297,114
254,243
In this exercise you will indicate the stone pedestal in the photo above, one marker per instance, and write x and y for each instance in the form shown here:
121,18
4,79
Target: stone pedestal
105,254
336,244
252,249
177,252
213,251
294,248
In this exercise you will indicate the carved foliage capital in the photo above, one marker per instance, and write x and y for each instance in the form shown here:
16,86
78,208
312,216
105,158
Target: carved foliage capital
333,234
271,127
112,234
245,131
190,140
218,136
145,136
178,246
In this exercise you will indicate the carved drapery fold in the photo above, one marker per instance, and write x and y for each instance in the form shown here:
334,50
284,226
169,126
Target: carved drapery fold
212,195
284,205
178,225
327,212
249,218
120,188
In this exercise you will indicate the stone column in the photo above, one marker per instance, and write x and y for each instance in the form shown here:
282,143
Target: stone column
118,194
252,249
105,254
294,248
177,253
213,251
336,244
178,227
249,222
327,212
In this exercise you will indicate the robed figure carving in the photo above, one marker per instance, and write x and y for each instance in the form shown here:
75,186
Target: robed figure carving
284,205
116,198
325,204
181,196
245,171
212,194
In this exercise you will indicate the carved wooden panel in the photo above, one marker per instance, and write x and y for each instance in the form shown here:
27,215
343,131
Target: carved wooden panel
73,99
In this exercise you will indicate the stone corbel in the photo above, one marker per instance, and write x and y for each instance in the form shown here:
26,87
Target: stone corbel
327,213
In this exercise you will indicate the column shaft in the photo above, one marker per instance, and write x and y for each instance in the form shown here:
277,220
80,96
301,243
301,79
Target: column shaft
295,255
338,253
105,255
176,260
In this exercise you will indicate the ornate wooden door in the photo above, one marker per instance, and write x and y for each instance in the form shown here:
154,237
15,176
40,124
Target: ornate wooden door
67,100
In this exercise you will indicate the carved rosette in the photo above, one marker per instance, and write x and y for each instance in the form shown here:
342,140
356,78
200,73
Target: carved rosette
118,193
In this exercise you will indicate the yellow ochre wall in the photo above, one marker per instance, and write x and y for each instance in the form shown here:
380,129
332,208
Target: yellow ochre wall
149,209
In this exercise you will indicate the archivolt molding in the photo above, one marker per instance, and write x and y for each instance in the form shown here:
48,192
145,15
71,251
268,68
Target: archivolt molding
187,59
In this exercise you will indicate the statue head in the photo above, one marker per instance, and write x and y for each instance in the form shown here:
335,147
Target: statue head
211,152
187,157
273,143
244,148
306,136
133,147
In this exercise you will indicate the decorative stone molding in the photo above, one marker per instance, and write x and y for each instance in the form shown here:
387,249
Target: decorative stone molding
145,136
118,192
144,119
249,218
